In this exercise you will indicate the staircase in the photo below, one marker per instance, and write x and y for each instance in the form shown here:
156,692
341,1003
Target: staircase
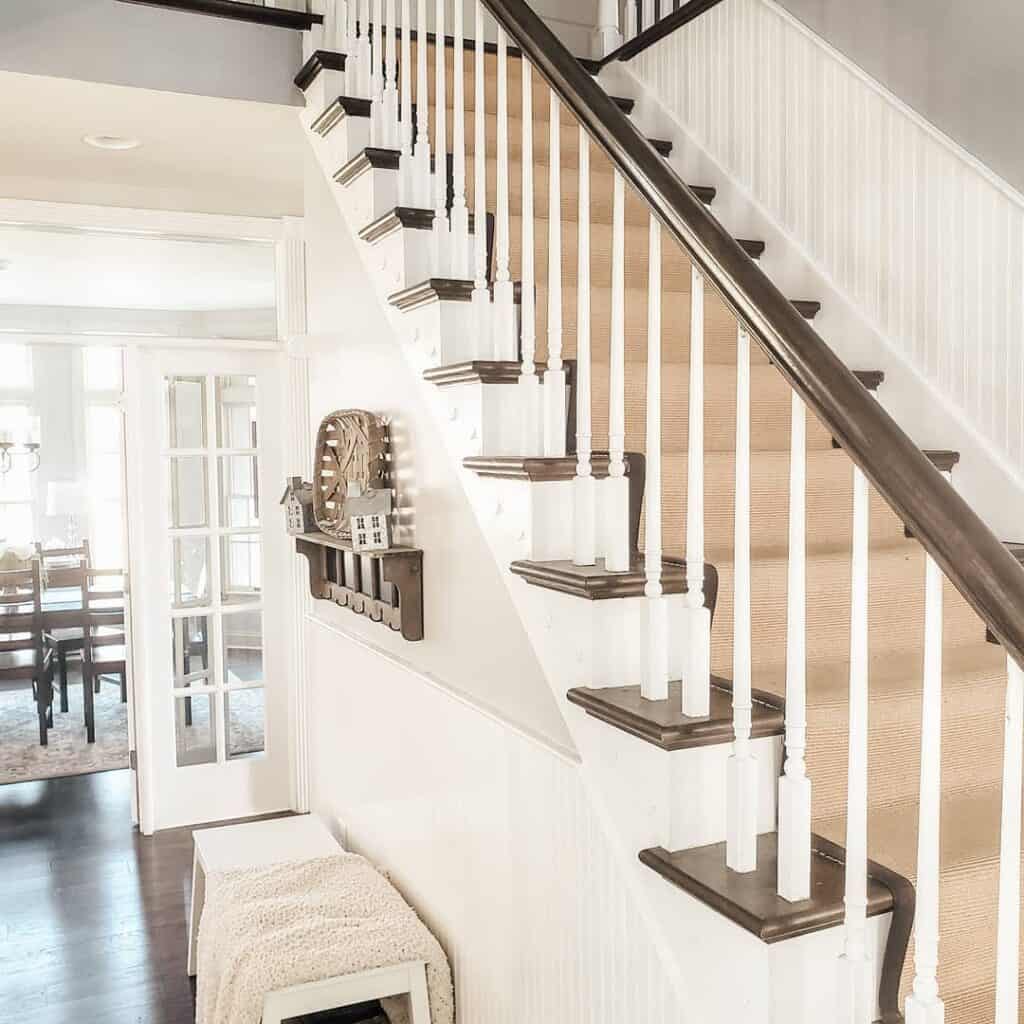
707,570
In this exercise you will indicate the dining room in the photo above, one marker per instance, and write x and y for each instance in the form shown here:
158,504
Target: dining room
64,674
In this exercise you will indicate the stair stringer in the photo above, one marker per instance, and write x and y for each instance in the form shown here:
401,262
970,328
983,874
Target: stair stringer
699,948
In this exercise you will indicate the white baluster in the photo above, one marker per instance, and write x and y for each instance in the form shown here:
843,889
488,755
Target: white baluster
554,378
530,392
654,685
460,211
340,22
424,194
365,52
608,37
631,19
442,233
481,293
378,134
318,35
741,800
697,636
923,1004
856,996
617,487
794,880
584,510
353,66
406,164
503,312
390,133
1008,921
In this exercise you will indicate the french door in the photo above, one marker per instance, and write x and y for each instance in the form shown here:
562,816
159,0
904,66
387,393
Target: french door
210,593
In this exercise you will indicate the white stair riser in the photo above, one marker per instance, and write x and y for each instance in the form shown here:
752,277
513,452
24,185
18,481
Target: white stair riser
371,195
485,418
327,85
403,257
442,332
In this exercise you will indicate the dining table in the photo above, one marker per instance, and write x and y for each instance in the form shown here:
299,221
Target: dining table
62,621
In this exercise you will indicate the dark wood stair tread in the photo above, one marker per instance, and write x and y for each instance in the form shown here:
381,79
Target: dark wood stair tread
320,60
415,218
372,157
662,723
750,899
236,10
339,108
476,371
754,249
441,289
807,308
596,583
538,468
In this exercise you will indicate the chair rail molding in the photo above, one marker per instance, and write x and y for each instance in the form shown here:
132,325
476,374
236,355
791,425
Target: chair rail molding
925,266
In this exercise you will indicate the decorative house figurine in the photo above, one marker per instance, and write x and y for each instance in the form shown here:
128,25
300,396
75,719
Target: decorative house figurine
298,506
370,519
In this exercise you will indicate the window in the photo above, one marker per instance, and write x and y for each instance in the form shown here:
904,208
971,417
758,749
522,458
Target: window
17,423
102,373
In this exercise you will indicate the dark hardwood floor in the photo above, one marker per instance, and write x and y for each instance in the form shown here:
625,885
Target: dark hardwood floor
92,914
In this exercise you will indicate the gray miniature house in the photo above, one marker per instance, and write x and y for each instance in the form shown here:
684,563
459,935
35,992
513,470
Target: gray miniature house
370,519
298,506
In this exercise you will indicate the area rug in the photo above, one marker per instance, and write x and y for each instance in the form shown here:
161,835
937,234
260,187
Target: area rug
67,753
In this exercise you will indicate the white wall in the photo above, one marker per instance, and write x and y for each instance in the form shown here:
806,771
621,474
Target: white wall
491,837
915,248
475,643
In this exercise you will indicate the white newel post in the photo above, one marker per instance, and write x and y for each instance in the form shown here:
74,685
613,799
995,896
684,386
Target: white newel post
856,996
607,37
741,799
1008,921
616,503
584,511
654,685
424,194
406,165
554,378
503,312
697,636
530,392
923,1004
794,862
460,211
441,233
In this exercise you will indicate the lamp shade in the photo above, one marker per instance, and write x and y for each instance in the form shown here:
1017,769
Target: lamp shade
65,497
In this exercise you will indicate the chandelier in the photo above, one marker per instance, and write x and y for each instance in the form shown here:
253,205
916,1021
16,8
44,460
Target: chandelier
27,447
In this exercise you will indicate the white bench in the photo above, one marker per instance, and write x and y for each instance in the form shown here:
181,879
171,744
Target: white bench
302,837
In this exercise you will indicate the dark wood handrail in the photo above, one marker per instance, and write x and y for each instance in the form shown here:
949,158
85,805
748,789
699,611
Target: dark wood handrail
666,26
238,10
973,558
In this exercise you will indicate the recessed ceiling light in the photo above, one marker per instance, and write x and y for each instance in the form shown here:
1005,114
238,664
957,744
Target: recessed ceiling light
111,142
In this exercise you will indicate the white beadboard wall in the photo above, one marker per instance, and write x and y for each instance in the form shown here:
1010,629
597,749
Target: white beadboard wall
491,836
925,242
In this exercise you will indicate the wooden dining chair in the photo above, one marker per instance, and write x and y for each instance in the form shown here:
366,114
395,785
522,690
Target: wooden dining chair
60,571
26,657
104,652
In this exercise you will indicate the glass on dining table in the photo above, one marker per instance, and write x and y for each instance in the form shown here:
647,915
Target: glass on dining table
190,571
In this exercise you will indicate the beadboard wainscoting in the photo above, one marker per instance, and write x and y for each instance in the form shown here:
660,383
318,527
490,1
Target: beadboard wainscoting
925,243
492,837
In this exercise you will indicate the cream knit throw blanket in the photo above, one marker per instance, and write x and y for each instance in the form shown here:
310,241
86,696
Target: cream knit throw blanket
287,924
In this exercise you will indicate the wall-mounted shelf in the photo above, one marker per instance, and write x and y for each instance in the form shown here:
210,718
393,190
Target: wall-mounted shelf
385,586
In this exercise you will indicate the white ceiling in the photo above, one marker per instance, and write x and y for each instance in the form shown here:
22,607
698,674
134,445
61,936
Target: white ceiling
102,270
199,153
